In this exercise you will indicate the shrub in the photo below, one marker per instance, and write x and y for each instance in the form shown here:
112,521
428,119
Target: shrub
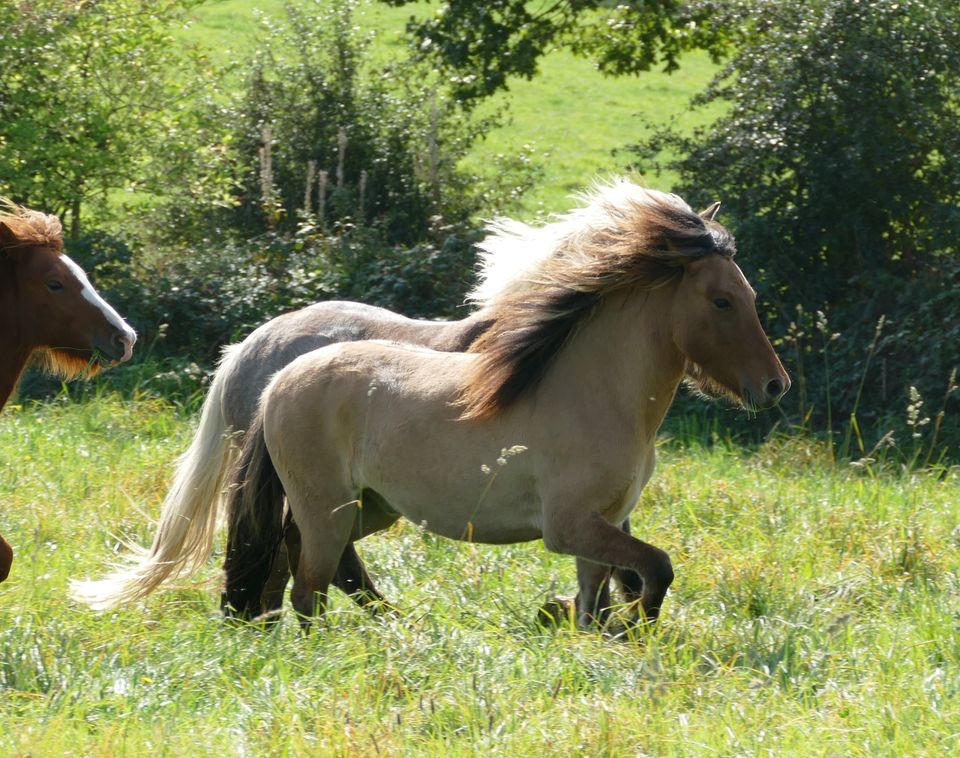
837,167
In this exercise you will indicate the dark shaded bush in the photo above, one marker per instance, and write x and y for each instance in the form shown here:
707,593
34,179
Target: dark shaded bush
837,164
212,294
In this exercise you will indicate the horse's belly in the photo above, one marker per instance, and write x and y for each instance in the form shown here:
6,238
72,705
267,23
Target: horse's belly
469,513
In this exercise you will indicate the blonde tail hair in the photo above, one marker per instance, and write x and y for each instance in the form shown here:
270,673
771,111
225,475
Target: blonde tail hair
188,517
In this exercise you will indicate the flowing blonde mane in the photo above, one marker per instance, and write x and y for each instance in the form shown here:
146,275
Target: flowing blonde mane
29,228
537,284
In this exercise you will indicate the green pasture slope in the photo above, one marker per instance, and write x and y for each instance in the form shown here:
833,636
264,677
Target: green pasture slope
815,612
571,121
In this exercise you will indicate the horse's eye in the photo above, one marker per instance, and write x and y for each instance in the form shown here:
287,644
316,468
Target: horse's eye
722,303
54,286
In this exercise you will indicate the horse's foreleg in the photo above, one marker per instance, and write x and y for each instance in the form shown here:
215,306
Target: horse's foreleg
593,596
631,583
588,535
589,600
322,543
6,558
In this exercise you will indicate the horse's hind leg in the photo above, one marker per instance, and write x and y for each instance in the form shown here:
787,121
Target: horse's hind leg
351,577
271,601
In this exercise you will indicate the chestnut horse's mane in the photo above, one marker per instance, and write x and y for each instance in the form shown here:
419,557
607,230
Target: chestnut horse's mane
30,228
537,284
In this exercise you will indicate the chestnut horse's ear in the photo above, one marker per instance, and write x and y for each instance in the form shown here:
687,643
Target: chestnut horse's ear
708,214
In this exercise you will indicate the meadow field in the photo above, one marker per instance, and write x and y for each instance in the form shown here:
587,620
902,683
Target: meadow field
816,609
815,612
572,122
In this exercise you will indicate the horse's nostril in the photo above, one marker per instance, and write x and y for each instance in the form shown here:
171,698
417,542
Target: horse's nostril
774,388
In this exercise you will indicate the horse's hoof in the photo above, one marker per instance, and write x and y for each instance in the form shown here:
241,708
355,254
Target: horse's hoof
557,612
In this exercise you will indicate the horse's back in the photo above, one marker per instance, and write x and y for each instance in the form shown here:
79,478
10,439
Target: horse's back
278,342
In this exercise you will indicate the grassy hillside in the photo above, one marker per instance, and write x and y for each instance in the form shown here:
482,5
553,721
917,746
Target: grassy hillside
814,613
570,118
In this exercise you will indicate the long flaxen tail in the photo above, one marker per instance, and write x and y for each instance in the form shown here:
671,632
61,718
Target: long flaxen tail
255,513
188,517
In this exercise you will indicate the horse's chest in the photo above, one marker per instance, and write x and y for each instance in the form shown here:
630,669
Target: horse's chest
625,499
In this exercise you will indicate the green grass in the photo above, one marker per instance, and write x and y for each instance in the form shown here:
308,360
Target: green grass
815,612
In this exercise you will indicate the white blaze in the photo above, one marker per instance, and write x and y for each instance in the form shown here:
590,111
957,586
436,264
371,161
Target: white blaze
92,296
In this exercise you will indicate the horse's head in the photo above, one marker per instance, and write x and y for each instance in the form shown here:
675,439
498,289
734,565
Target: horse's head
57,309
717,329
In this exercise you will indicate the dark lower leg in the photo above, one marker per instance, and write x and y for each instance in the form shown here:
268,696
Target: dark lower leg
593,597
249,569
352,578
631,583
588,536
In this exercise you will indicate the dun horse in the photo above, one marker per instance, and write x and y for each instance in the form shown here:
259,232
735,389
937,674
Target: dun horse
49,309
189,513
577,369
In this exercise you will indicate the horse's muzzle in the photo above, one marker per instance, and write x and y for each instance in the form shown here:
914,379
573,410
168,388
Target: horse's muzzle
767,396
119,347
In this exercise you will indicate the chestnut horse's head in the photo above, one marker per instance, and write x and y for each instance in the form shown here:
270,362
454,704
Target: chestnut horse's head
717,329
52,307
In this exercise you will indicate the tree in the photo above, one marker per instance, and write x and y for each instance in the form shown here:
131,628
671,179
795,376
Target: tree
88,102
484,43
328,133
837,164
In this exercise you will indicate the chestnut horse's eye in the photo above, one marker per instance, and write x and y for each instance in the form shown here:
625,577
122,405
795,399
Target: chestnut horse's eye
54,286
722,303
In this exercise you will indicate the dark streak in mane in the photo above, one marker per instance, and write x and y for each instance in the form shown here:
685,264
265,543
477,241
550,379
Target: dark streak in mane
475,330
636,238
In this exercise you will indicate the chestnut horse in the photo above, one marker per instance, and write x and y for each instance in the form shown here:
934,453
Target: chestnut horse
574,375
49,309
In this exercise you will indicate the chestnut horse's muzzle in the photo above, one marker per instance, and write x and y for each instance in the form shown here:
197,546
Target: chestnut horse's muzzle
119,347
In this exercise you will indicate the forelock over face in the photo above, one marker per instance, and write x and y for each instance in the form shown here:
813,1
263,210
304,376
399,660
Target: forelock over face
723,240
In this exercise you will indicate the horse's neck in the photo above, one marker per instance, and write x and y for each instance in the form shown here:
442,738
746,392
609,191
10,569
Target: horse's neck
13,353
622,362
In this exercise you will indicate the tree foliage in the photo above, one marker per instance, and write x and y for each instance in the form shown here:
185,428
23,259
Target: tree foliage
88,100
482,44
325,133
345,184
837,164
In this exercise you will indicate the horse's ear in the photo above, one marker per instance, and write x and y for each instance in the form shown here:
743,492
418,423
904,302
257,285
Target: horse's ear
708,214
